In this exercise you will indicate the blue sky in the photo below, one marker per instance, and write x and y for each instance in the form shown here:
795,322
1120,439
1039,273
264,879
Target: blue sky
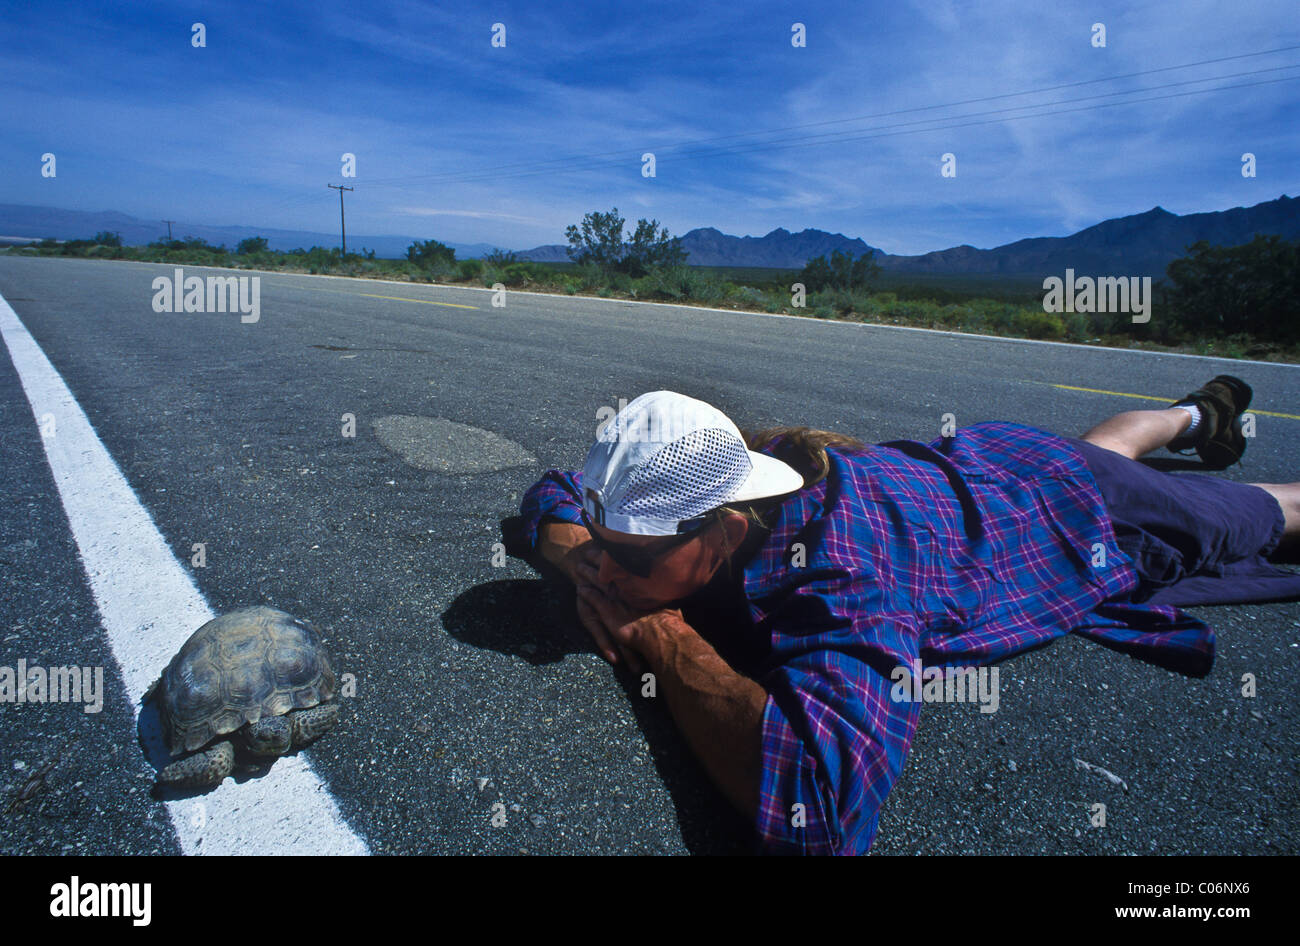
464,142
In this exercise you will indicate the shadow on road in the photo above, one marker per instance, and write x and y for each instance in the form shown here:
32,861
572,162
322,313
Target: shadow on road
538,622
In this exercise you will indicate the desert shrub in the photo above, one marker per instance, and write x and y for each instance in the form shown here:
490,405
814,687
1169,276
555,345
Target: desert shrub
747,295
430,255
599,241
1234,290
1038,324
681,283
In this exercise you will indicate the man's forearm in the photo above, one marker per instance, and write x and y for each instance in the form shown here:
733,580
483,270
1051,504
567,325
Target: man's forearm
718,710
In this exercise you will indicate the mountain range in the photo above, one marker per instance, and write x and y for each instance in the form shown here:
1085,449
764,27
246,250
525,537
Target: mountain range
31,222
1138,244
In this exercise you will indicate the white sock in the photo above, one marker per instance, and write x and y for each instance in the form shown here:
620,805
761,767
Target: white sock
1196,417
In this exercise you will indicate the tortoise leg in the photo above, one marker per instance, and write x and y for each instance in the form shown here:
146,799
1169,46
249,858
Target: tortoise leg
201,770
269,736
310,723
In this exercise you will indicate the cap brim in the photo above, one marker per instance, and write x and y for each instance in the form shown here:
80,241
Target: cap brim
769,477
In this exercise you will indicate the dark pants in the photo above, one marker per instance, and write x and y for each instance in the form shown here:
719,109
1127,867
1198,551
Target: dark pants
1194,538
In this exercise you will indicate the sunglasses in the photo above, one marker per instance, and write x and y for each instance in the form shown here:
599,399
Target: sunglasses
640,560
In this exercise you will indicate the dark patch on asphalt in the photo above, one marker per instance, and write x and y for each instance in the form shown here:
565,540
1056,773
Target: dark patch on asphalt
444,446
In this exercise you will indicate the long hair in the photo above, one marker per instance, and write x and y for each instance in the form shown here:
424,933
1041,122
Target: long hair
804,449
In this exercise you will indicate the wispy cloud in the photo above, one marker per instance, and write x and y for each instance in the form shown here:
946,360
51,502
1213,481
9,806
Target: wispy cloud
509,145
473,214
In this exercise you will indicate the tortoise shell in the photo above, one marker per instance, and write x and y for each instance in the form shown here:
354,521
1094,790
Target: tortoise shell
238,668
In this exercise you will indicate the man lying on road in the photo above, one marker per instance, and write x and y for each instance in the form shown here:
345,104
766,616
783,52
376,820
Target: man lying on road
775,583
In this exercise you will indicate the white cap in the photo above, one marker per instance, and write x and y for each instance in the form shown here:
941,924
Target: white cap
667,458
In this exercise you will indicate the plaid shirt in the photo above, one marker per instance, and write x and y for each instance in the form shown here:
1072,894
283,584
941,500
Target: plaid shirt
960,553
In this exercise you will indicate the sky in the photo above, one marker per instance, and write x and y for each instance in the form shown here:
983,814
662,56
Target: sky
462,141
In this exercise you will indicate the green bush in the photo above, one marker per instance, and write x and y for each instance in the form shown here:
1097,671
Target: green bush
681,283
1235,290
587,277
523,273
841,271
598,241
1039,324
431,255
949,316
1078,327
747,295
470,268
519,274
995,317
845,301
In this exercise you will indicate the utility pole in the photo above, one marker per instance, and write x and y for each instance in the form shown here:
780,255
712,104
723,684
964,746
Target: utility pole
343,230
169,229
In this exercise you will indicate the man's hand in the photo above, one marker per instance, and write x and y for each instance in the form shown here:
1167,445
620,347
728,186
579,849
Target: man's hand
569,548
634,633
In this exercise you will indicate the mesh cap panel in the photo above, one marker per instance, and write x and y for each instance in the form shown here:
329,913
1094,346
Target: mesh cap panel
689,476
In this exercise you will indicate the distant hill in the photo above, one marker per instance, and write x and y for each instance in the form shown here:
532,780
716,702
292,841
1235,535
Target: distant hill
36,223
709,247
1139,244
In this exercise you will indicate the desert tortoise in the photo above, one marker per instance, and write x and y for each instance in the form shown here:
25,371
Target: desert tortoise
260,674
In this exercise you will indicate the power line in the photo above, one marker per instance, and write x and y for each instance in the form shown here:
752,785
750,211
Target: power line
533,166
592,162
886,131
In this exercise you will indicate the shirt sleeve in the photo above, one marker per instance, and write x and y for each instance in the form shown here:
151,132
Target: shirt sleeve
557,495
834,741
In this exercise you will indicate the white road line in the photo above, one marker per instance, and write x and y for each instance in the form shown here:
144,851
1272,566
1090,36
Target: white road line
150,605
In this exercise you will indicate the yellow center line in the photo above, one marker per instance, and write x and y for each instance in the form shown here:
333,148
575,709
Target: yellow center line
1147,397
374,295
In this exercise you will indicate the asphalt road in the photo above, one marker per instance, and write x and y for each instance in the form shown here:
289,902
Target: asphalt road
230,434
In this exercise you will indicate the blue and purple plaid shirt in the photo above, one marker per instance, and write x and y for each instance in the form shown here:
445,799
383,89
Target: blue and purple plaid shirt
960,553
